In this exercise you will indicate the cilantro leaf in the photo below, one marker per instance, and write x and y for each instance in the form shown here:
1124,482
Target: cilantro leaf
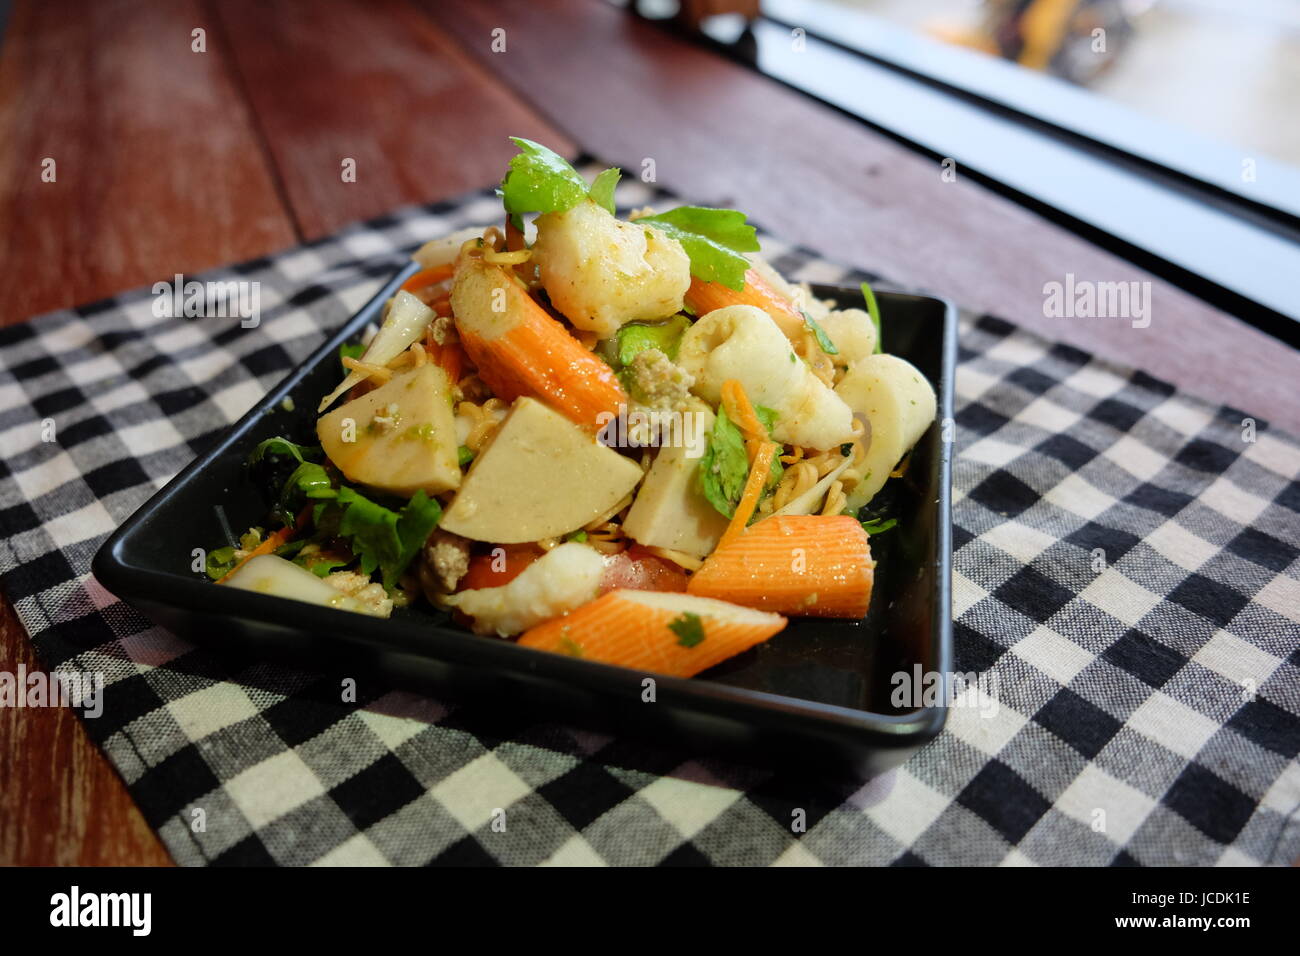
689,629
724,466
540,180
602,188
384,540
874,310
713,238
823,340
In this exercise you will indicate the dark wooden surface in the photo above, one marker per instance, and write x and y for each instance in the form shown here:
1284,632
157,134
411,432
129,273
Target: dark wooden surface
174,161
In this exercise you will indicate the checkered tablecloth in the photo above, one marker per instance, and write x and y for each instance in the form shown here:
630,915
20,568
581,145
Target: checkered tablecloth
1126,579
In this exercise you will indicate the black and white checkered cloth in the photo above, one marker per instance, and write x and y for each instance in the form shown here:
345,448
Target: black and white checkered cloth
1126,580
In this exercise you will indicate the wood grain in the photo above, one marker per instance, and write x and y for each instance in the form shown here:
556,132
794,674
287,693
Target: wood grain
61,802
158,167
629,90
382,85
158,171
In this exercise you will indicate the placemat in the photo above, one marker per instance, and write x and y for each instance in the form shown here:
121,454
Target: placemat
1126,584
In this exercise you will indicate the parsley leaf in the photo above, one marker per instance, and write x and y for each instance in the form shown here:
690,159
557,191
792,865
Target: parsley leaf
713,238
823,340
689,629
602,188
874,310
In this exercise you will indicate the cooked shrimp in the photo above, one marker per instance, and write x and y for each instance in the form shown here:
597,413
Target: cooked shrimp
602,273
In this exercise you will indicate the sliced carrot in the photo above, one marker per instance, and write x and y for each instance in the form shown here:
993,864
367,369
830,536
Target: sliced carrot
758,472
703,297
427,277
741,412
817,565
273,540
519,349
659,632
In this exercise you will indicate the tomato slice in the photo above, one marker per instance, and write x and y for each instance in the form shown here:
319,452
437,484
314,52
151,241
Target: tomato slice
499,566
640,570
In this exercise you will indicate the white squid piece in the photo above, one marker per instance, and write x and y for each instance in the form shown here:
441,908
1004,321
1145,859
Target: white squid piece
559,581
742,342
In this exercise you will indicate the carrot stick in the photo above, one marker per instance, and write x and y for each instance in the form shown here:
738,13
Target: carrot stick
703,297
273,540
758,471
519,349
661,632
818,565
427,277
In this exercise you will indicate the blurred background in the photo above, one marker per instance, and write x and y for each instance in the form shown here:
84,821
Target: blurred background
1228,69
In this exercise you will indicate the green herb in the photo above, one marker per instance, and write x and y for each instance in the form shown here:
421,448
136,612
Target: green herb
874,310
350,350
384,540
220,563
688,628
579,536
541,180
282,446
287,473
823,340
724,467
320,563
602,188
464,456
713,238
665,336
878,525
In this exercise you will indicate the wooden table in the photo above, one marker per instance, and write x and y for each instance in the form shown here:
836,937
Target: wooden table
174,160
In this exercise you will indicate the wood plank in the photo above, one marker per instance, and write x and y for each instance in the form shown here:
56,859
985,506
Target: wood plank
382,85
158,168
718,132
62,803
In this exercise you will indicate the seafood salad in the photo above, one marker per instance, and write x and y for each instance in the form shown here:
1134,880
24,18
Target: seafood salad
628,440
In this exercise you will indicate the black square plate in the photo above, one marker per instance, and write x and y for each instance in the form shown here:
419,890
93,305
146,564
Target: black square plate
819,693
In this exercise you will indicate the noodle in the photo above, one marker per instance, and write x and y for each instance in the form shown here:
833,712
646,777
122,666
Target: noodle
483,421
369,370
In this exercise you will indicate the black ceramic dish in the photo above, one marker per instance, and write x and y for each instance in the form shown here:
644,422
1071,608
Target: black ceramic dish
819,693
